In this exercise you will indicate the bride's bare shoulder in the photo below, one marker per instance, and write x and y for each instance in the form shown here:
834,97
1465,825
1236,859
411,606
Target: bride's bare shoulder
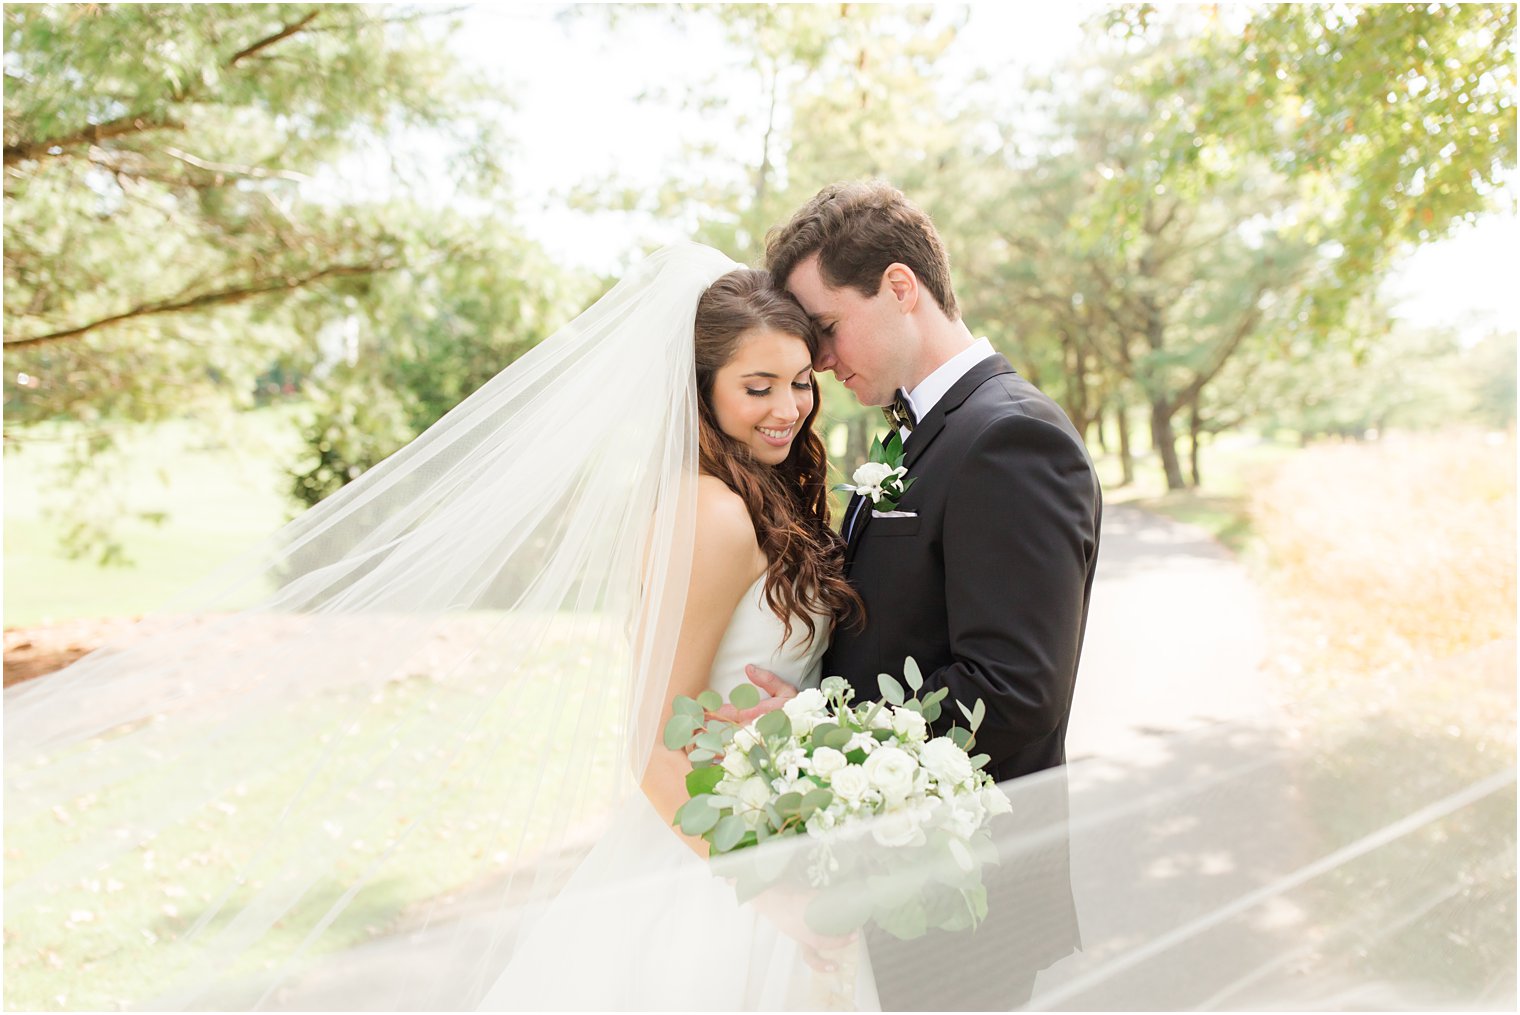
724,529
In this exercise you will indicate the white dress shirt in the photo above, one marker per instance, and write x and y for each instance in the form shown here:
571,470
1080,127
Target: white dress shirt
931,389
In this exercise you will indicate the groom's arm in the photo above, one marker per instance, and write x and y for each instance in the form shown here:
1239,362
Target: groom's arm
1018,537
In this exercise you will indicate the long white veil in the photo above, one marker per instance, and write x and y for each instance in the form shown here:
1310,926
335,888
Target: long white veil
365,758
437,678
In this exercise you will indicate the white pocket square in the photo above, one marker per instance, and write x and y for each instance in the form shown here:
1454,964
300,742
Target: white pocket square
893,514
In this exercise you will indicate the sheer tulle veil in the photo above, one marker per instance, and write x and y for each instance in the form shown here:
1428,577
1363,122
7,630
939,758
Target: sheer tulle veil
434,679
352,769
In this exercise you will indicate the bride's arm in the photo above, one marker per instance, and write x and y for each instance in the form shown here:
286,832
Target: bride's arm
726,560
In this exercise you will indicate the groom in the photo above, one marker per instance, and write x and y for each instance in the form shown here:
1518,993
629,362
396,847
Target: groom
984,575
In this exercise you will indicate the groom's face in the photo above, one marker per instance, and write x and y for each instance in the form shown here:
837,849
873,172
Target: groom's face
861,339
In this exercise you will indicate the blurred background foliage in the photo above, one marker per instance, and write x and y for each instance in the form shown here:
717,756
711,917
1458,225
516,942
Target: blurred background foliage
1183,232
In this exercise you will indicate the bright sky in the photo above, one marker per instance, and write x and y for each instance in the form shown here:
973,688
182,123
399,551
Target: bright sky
576,84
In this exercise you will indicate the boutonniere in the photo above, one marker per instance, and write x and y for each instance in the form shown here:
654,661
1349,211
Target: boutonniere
880,479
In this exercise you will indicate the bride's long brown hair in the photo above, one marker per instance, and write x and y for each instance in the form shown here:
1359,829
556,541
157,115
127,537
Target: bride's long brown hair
788,503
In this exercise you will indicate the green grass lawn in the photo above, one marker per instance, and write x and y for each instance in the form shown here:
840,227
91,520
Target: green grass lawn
220,489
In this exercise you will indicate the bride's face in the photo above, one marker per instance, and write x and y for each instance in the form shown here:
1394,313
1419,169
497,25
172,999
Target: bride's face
762,395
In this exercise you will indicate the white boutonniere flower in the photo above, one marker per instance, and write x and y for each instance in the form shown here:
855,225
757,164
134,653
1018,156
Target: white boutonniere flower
881,480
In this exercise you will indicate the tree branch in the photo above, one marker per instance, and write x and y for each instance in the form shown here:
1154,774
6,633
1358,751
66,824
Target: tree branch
284,33
135,123
221,297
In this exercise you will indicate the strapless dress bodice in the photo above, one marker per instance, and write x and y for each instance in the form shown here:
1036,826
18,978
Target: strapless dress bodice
756,635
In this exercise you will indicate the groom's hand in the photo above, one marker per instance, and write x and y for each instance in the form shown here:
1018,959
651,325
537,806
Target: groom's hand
779,690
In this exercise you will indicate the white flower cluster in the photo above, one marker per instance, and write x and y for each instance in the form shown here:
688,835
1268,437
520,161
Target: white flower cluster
879,764
872,480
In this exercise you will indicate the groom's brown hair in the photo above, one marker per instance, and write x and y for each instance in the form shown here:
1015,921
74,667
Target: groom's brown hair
857,230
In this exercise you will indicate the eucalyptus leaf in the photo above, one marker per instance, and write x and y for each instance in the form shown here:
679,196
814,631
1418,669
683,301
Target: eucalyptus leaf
697,815
774,724
978,714
728,832
788,804
961,736
710,700
932,711
891,690
821,732
836,738
964,710
678,731
744,696
980,760
700,756
687,706
912,674
709,740
817,799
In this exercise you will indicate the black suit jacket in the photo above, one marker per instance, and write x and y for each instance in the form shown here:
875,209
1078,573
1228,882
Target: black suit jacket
987,588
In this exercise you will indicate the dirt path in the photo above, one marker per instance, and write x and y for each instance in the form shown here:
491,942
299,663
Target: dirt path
1175,638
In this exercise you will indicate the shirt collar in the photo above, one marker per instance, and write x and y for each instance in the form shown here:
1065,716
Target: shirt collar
932,388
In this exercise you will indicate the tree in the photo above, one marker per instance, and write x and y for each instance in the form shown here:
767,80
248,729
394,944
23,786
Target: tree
420,340
173,183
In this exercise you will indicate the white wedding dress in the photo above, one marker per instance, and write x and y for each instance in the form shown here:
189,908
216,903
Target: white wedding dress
644,924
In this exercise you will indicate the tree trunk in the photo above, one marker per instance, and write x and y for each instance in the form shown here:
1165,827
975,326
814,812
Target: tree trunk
1195,428
1126,453
859,443
1164,440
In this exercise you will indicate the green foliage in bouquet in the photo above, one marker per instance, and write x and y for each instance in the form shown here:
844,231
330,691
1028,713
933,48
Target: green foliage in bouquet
721,819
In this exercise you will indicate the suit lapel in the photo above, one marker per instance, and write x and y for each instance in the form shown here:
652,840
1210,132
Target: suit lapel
933,422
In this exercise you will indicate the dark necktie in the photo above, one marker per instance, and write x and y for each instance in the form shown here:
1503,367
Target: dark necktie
899,413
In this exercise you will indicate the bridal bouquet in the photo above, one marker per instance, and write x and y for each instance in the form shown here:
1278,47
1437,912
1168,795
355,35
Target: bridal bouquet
898,819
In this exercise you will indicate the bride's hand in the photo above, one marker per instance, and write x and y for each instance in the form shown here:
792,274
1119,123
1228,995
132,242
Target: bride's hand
779,690
786,909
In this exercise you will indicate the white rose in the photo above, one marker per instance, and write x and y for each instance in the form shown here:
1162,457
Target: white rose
946,761
745,738
882,720
995,801
736,764
754,792
909,724
897,828
850,783
890,770
871,475
809,700
965,817
827,761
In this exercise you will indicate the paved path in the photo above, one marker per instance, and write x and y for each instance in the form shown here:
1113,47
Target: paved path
1175,639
